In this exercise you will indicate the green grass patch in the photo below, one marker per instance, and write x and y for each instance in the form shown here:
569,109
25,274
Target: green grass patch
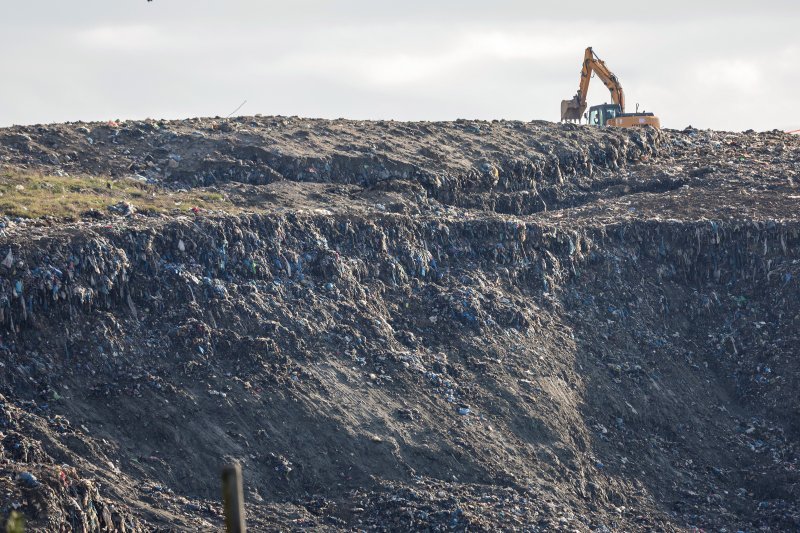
32,195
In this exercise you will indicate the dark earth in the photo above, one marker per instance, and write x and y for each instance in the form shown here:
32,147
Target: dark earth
406,326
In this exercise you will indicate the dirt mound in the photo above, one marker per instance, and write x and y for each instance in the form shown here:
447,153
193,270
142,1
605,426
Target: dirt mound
440,326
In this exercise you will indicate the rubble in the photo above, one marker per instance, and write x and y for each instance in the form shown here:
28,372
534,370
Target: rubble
441,326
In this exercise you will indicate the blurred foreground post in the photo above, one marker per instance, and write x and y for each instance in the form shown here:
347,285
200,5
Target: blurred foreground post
233,498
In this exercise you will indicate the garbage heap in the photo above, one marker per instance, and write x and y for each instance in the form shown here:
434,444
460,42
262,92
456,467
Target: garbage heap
443,326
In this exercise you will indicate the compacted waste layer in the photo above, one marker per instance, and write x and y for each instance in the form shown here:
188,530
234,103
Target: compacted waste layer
391,326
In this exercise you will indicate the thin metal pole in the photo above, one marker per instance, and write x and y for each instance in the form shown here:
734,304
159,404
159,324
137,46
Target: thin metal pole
233,498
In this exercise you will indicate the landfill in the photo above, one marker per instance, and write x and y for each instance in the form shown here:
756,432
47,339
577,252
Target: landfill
390,326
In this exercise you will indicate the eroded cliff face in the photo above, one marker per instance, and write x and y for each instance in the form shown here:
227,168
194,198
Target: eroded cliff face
460,325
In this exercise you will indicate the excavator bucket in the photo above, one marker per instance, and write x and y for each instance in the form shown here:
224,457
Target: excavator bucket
572,110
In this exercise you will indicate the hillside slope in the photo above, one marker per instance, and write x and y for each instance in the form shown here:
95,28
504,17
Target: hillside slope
394,326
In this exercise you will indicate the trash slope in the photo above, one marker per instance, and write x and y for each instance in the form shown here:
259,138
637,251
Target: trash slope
460,325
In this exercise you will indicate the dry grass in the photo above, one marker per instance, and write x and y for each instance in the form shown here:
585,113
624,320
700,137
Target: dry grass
32,195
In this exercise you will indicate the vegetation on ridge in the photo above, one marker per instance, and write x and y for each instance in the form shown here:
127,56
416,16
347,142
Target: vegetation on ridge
36,195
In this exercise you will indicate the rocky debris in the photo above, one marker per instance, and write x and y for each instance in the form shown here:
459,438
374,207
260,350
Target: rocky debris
36,486
503,166
122,208
460,326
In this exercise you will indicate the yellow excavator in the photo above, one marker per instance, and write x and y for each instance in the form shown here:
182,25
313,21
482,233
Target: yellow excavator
607,114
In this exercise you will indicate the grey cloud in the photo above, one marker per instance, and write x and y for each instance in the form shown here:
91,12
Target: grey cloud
725,65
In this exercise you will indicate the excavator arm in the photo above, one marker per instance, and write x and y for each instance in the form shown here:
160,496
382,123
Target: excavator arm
572,110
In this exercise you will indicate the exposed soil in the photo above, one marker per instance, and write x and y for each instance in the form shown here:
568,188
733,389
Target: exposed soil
425,326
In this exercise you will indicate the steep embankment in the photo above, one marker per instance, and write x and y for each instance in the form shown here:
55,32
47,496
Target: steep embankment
464,325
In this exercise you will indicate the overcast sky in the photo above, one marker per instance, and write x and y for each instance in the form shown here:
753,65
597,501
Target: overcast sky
724,65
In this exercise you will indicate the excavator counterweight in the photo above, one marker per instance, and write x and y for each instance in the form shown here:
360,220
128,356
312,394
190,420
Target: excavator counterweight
607,114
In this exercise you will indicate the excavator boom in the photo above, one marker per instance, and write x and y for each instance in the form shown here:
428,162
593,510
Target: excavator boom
573,109
591,61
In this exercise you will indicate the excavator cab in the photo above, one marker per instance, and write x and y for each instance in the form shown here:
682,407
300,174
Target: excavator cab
611,115
599,115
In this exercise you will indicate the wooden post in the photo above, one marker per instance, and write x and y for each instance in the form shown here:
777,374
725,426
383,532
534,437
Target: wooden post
233,498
